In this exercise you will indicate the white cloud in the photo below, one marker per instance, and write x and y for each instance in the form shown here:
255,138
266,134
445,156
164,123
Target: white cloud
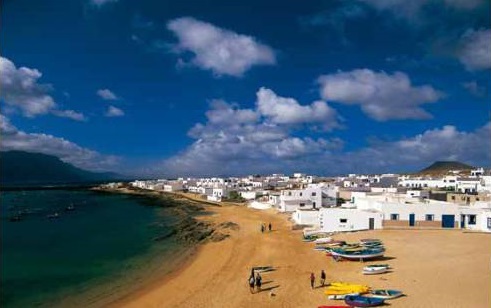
70,114
20,90
446,143
107,95
222,51
381,96
474,88
100,3
475,52
283,110
114,112
14,139
232,136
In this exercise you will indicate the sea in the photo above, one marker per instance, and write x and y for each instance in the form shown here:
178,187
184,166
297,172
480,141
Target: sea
80,248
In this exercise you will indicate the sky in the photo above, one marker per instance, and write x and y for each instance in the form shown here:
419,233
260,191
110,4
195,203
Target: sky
195,88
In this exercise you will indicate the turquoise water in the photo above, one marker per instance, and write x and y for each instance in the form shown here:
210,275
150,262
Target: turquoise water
101,246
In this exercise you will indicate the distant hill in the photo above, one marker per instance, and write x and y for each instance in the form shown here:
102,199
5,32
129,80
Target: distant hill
18,168
443,167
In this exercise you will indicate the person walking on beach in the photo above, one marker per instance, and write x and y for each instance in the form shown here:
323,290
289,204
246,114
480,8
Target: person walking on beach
269,227
312,280
258,282
262,228
323,277
252,282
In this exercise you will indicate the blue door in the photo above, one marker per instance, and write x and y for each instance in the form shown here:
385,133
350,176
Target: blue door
448,221
411,220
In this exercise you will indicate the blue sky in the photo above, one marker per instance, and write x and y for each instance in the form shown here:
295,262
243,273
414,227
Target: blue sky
165,88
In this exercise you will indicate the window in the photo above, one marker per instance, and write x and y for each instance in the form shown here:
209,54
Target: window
472,220
343,220
477,199
430,217
300,194
394,216
314,194
453,197
302,204
489,222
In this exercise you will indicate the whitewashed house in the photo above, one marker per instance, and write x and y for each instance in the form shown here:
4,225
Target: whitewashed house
308,198
342,219
306,217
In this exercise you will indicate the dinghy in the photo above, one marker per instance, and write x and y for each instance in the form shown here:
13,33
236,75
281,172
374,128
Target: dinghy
374,270
323,240
379,265
363,301
385,294
340,296
358,255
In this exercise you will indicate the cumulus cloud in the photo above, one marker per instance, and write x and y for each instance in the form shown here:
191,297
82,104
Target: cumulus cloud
20,90
107,95
475,51
283,110
114,112
14,139
232,136
70,114
381,96
235,152
222,51
446,143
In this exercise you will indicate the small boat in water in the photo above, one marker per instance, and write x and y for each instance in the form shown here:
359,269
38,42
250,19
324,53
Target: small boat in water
385,294
53,216
363,301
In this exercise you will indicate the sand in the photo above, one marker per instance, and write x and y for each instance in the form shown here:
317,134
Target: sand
434,268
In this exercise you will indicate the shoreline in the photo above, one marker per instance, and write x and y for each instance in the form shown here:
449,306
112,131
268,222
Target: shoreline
214,274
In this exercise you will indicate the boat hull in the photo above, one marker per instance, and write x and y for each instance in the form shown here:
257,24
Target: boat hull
363,301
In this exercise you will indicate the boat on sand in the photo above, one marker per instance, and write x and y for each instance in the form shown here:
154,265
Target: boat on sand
363,301
385,294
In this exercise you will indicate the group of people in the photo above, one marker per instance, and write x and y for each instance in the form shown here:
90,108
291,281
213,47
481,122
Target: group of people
263,227
255,282
312,279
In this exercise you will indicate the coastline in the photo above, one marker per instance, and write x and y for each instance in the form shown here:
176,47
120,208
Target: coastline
214,273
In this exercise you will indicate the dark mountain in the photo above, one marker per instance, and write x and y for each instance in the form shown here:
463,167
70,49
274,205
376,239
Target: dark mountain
443,167
18,168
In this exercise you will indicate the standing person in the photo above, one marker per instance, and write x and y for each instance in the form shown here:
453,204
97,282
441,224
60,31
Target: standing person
251,282
262,228
323,277
269,227
258,282
312,280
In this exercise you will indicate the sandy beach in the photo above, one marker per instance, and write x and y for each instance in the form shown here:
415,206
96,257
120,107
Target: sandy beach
434,268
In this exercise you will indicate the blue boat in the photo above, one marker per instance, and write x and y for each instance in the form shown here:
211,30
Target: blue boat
363,301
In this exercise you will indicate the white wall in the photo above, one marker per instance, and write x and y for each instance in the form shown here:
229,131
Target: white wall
338,220
306,217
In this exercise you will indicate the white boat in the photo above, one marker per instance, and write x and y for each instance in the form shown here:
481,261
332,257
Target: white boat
374,270
341,296
359,256
323,240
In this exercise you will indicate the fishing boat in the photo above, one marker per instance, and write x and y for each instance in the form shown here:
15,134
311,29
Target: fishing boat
386,294
340,296
358,255
378,265
343,288
363,301
374,270
323,240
